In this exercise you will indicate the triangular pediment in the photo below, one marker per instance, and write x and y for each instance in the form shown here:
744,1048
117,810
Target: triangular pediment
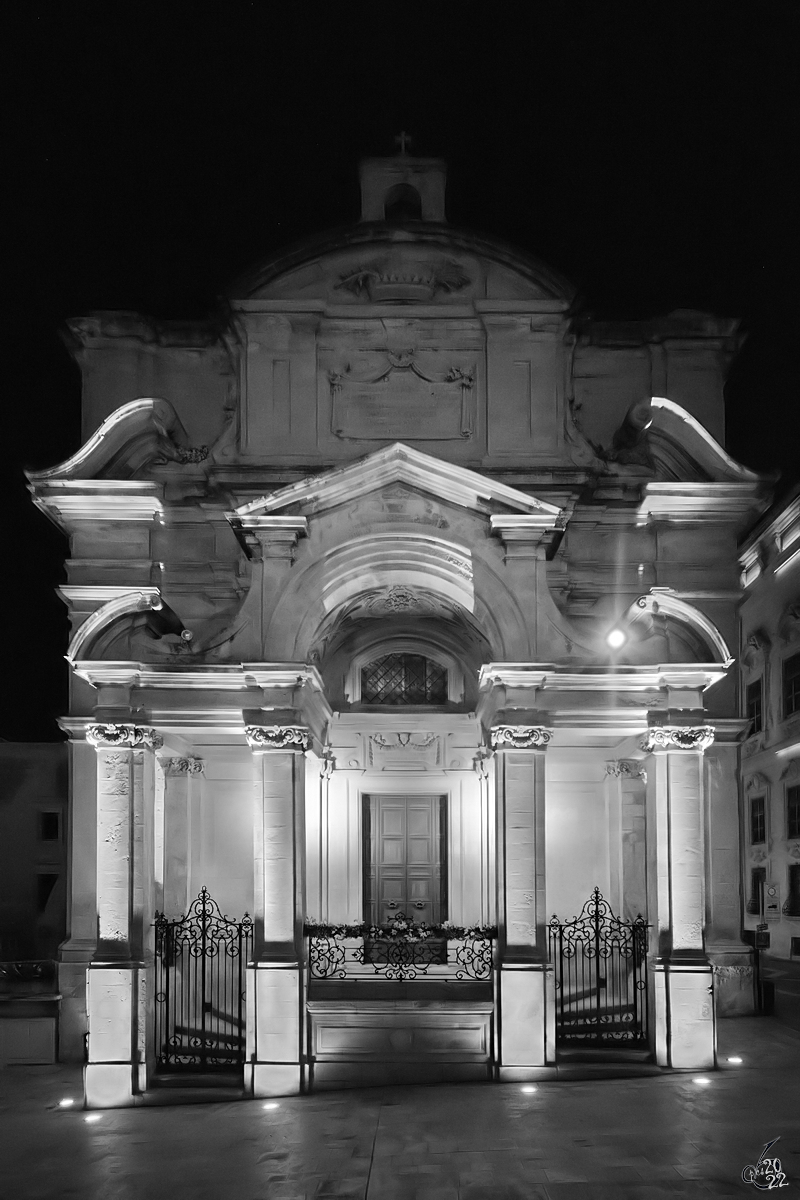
397,465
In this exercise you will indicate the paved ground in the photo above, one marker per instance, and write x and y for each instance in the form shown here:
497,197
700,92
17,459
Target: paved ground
637,1138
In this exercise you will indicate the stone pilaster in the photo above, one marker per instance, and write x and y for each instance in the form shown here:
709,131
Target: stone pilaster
682,985
182,784
527,1014
274,1025
625,807
118,1010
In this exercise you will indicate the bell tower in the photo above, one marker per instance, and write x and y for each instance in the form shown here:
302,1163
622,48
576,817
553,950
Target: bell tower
402,188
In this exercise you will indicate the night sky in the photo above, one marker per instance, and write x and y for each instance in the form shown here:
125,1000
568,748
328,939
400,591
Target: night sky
645,151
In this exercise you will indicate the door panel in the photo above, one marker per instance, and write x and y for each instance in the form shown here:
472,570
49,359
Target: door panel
404,871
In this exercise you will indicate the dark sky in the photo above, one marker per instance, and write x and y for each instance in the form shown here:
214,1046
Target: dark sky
646,151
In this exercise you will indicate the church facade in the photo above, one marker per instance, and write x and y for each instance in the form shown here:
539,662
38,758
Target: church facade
402,600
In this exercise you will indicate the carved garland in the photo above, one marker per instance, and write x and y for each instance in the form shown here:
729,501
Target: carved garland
521,737
128,737
626,768
277,737
677,737
183,766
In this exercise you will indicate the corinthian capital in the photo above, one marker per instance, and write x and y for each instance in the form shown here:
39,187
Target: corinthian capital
521,737
123,737
276,737
677,737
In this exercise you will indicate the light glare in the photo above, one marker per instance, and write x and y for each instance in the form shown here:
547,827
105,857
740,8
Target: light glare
272,1104
66,1103
616,638
702,1082
735,1058
92,1117
529,1087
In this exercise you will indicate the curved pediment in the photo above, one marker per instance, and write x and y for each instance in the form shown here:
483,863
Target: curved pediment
375,263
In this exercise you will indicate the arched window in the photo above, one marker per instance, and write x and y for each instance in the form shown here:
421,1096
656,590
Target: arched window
403,679
403,203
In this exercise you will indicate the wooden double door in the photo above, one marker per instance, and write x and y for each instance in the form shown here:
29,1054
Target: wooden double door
405,858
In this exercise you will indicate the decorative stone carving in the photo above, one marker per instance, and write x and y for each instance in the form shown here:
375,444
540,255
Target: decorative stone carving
521,737
402,400
757,782
755,649
396,277
627,768
789,626
277,737
677,737
127,737
794,851
404,751
183,766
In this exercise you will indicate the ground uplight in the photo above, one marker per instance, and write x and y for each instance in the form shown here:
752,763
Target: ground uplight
272,1104
92,1117
529,1087
703,1082
67,1102
734,1058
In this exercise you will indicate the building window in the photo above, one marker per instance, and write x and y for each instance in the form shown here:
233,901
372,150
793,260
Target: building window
791,685
44,887
758,821
49,826
404,679
792,906
753,700
793,811
758,878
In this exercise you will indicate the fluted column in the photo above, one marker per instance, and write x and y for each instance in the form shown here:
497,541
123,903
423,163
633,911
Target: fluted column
527,1030
681,1000
117,1002
274,1027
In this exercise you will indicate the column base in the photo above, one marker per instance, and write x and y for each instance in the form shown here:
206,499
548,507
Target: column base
526,1018
112,1074
682,1011
274,1029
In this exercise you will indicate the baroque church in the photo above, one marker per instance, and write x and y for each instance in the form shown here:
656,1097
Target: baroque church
404,726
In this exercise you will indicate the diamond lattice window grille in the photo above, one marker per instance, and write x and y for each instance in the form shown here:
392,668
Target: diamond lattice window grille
404,679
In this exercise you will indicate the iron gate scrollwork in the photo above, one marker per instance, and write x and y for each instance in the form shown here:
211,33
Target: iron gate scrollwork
600,964
200,988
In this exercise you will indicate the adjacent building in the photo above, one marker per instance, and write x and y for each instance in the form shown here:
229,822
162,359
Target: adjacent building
770,687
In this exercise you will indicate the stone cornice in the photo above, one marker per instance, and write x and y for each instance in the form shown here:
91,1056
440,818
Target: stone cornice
520,737
277,737
677,737
622,678
125,737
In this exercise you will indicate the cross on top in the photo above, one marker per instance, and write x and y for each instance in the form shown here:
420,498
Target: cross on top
404,140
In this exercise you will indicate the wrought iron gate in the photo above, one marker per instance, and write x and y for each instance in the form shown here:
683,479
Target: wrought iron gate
200,988
600,966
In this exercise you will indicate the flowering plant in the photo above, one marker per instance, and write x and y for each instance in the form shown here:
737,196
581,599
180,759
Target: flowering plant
401,928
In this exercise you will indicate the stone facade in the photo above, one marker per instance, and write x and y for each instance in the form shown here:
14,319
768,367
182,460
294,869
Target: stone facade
401,450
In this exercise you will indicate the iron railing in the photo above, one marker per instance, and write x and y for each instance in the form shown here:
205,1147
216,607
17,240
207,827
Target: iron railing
401,950
200,967
600,965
